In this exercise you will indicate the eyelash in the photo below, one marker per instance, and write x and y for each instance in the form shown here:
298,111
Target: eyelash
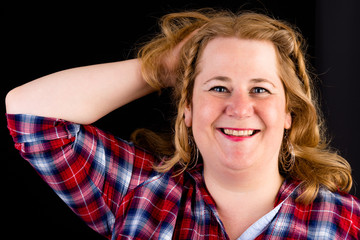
217,89
263,90
221,89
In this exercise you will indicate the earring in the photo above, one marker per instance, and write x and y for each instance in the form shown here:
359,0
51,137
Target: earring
289,164
195,162
194,151
289,157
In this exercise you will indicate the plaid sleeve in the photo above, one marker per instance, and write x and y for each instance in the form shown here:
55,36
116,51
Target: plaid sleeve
90,170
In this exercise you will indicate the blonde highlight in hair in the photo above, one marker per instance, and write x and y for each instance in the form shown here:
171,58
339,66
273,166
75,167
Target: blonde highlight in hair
315,163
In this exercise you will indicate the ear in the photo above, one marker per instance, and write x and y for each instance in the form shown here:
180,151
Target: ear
188,116
288,120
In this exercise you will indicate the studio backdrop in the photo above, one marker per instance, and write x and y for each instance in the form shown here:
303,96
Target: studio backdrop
42,39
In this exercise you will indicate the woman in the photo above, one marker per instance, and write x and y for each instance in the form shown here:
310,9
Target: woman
249,160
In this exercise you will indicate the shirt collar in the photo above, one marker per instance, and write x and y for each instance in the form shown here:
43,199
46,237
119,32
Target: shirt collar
286,189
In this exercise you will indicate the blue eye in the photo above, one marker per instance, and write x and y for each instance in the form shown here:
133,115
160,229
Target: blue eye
219,89
258,90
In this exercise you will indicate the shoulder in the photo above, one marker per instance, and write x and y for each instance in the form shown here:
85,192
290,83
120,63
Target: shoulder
339,211
336,204
334,213
341,206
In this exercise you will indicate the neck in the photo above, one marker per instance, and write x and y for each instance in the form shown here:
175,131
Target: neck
243,186
242,197
246,181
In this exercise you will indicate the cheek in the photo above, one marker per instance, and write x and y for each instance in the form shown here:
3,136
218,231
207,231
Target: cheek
205,114
205,111
273,114
201,117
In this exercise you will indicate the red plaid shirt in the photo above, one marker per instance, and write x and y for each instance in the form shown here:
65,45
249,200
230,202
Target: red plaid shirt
112,186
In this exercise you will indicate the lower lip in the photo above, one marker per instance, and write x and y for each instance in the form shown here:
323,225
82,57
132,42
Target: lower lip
235,138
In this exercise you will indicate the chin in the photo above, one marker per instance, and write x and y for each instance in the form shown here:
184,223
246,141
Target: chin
237,163
238,166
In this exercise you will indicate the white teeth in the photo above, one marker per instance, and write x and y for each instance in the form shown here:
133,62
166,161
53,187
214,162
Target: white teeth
238,133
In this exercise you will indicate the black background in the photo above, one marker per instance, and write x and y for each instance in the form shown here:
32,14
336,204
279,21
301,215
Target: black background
38,39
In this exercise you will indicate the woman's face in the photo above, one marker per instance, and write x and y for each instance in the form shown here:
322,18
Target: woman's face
238,114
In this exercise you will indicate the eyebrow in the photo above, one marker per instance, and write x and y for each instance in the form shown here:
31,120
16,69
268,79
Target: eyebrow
218,78
227,79
259,80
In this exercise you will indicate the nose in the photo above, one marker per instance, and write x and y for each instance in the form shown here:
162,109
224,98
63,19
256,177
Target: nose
239,106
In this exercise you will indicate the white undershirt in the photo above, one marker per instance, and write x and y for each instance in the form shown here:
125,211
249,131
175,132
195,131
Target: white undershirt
258,227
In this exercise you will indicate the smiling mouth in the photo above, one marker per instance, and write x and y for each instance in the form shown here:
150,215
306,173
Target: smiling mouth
239,133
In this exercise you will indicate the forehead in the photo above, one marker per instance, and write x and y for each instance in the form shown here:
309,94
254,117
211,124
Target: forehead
232,55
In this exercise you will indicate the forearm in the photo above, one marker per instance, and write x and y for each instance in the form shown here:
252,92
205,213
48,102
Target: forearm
81,95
